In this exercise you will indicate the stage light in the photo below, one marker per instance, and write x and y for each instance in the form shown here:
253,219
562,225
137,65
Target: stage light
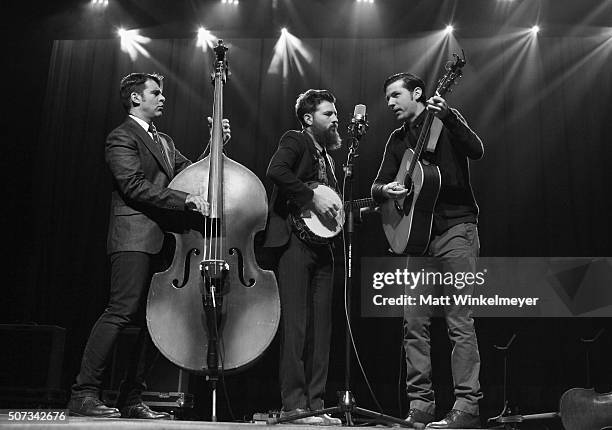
234,2
288,51
365,1
205,39
535,29
99,3
449,29
132,41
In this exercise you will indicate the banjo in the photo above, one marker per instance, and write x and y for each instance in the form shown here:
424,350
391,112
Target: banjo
312,229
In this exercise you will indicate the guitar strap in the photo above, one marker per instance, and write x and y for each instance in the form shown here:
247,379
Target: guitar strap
434,134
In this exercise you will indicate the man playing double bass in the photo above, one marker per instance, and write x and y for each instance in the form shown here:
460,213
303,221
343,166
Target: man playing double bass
454,244
305,268
142,162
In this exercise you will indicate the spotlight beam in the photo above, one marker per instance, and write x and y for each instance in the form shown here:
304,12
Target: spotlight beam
131,43
288,51
206,39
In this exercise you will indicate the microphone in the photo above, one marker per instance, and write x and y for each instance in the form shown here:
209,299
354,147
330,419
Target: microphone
359,123
359,114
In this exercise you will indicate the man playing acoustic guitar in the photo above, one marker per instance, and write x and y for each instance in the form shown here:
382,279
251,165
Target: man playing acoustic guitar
454,242
305,269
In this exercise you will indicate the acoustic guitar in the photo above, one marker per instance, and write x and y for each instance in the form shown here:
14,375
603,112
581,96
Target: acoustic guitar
407,222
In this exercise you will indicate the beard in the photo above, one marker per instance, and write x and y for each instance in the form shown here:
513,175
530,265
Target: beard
328,138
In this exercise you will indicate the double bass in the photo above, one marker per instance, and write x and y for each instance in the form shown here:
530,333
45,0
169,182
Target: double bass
214,304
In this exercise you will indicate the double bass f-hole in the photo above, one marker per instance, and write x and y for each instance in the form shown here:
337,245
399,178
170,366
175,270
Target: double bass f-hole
252,282
186,266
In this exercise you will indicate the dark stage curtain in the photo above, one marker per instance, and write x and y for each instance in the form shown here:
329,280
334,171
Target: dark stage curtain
542,112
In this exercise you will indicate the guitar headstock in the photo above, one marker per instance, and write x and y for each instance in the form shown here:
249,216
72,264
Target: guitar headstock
453,72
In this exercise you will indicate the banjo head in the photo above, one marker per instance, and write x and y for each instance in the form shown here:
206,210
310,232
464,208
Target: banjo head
314,229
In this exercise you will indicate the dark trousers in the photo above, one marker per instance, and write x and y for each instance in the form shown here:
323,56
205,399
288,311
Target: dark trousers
305,277
130,279
455,251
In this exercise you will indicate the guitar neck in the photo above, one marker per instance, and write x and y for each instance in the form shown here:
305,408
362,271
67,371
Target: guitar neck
423,135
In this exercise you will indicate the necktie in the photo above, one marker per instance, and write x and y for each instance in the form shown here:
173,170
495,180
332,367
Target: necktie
160,145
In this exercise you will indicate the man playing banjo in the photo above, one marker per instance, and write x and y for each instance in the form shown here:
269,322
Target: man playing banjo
301,169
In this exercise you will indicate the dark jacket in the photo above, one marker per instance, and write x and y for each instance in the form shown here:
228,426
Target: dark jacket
294,163
457,143
140,197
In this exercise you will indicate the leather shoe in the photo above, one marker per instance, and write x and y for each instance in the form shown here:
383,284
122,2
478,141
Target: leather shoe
312,421
90,406
142,411
416,417
456,419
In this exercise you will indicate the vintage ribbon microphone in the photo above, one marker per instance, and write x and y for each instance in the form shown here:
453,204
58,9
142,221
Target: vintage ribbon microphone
359,124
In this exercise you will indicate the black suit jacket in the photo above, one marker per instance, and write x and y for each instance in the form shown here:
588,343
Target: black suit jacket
294,163
140,196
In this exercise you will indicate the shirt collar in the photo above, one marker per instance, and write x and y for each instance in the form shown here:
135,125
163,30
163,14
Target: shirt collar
416,124
141,122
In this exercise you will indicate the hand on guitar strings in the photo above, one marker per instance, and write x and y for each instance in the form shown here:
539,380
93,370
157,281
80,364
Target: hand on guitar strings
227,131
394,190
197,202
438,106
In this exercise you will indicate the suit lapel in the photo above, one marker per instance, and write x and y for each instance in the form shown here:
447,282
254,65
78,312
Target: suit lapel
150,144
169,149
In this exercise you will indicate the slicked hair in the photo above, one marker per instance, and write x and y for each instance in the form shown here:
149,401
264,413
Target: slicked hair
135,83
308,101
409,81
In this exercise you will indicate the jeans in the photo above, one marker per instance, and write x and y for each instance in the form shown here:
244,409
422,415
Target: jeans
455,250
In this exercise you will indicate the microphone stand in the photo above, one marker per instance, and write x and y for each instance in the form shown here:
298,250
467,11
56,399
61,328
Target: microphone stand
346,399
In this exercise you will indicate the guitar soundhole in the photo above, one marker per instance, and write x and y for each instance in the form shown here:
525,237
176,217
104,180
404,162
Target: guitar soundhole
408,203
409,185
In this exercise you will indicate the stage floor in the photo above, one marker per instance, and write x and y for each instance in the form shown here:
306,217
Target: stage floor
78,423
